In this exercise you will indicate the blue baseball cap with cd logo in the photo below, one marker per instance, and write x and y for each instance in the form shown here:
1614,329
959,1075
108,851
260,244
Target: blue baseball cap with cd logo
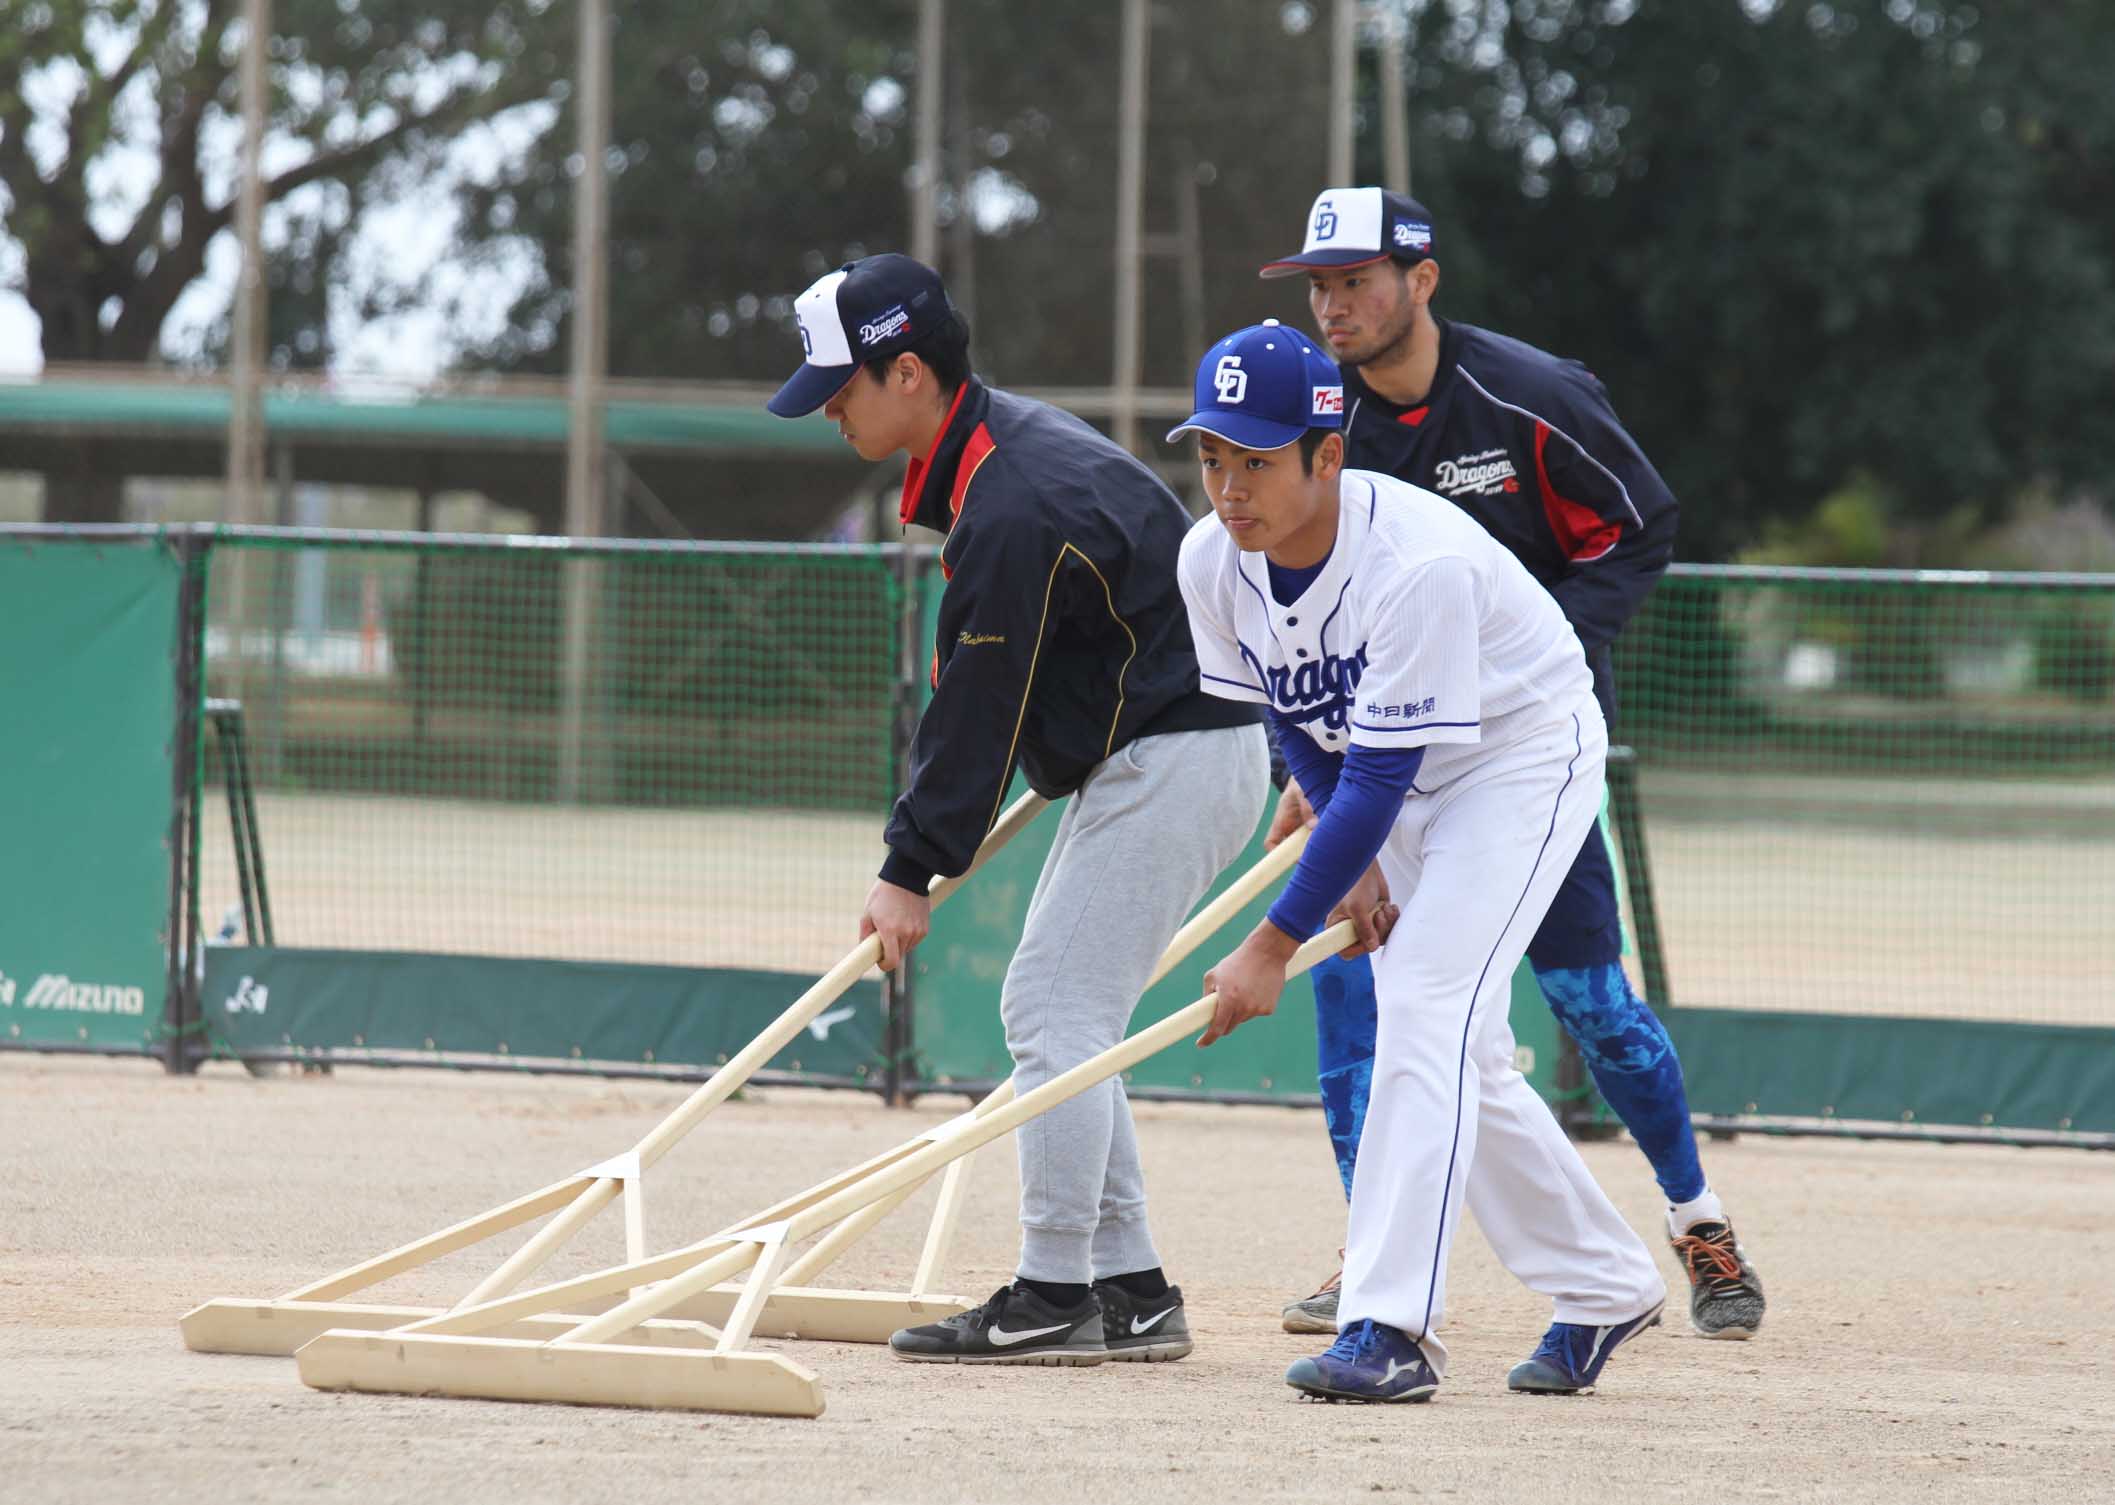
1350,227
864,310
1263,387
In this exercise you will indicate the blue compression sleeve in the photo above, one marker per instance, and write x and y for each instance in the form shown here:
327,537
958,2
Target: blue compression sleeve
1361,811
1315,769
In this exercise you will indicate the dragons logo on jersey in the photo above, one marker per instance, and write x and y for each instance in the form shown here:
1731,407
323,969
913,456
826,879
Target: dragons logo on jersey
1317,689
1481,474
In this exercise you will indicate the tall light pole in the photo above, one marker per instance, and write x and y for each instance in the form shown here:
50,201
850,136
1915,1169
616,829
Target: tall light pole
245,501
585,481
587,468
1343,88
925,164
1130,216
1395,97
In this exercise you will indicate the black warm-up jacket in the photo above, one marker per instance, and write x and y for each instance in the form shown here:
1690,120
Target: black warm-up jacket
1528,445
1062,634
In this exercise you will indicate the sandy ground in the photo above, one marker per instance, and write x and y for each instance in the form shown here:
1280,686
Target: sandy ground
1961,900
1939,1329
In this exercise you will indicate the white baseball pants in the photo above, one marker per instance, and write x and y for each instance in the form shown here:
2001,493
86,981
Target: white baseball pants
1450,1123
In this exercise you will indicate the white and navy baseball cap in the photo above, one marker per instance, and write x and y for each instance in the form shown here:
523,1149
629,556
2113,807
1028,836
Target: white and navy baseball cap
1349,227
1263,387
864,310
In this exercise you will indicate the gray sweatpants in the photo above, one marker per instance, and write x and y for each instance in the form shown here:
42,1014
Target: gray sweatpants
1138,846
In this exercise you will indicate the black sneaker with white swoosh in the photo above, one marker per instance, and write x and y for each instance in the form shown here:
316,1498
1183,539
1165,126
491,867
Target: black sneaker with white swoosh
1015,1327
1143,1329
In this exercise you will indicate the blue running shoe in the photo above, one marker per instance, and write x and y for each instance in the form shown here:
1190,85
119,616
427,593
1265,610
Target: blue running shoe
1369,1361
1570,1357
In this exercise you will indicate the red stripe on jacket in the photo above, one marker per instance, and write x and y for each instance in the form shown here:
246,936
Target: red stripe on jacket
914,473
974,454
1582,533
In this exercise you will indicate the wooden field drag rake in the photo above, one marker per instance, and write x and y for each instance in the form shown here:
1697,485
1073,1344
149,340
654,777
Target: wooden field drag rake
686,1330
280,1326
668,1365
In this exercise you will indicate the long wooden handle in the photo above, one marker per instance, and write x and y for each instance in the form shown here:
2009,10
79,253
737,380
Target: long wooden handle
973,1133
844,1191
1239,894
1190,1019
831,986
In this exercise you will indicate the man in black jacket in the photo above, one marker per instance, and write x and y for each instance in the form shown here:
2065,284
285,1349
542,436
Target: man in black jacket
1527,444
1064,652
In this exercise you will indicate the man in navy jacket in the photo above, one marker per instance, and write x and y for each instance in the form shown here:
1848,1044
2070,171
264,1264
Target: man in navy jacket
1063,652
1528,444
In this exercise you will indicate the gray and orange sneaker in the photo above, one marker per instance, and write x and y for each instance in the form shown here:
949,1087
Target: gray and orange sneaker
1317,1313
1725,1293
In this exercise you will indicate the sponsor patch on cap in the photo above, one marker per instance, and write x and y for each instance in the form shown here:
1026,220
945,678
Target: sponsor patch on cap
1328,400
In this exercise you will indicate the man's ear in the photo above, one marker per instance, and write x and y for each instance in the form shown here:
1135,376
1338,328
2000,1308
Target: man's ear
1329,457
1424,281
909,371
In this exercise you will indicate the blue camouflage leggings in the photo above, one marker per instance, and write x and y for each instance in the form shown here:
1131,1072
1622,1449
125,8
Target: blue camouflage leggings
1577,957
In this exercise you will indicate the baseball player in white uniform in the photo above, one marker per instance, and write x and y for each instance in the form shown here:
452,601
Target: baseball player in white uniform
1436,707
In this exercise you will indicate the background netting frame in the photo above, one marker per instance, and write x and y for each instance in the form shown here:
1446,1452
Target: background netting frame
407,709
1880,792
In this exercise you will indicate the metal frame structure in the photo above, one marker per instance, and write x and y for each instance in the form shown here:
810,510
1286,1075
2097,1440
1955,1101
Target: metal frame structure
225,717
183,1046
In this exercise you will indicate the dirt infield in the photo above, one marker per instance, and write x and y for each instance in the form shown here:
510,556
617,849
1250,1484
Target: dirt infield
1939,1329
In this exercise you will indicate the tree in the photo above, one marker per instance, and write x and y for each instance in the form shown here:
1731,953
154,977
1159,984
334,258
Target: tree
1800,242
117,119
761,142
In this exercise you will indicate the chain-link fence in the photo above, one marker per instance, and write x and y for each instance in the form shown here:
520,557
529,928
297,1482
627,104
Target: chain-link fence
667,754
530,799
1865,793
1880,792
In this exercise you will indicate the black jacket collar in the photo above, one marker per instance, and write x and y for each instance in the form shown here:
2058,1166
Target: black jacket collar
1451,338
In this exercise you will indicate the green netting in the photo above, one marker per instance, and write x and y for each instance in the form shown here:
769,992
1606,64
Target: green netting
1880,794
1865,793
675,755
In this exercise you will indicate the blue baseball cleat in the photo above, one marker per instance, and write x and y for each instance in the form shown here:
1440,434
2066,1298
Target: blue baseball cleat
1369,1361
1570,1357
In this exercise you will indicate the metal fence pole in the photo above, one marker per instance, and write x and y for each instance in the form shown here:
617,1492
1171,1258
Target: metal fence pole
180,1007
913,580
1637,872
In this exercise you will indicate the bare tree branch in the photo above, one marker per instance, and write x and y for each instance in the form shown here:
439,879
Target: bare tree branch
157,292
180,185
90,119
456,109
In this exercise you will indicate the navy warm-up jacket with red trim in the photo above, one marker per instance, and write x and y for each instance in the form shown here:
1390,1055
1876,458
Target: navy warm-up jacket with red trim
1062,635
1528,445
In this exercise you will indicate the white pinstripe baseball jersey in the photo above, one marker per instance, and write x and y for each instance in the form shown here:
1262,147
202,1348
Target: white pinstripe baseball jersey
1419,630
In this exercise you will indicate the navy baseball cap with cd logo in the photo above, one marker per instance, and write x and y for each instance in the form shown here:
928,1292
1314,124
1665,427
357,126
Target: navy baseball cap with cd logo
864,310
1349,227
1263,387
